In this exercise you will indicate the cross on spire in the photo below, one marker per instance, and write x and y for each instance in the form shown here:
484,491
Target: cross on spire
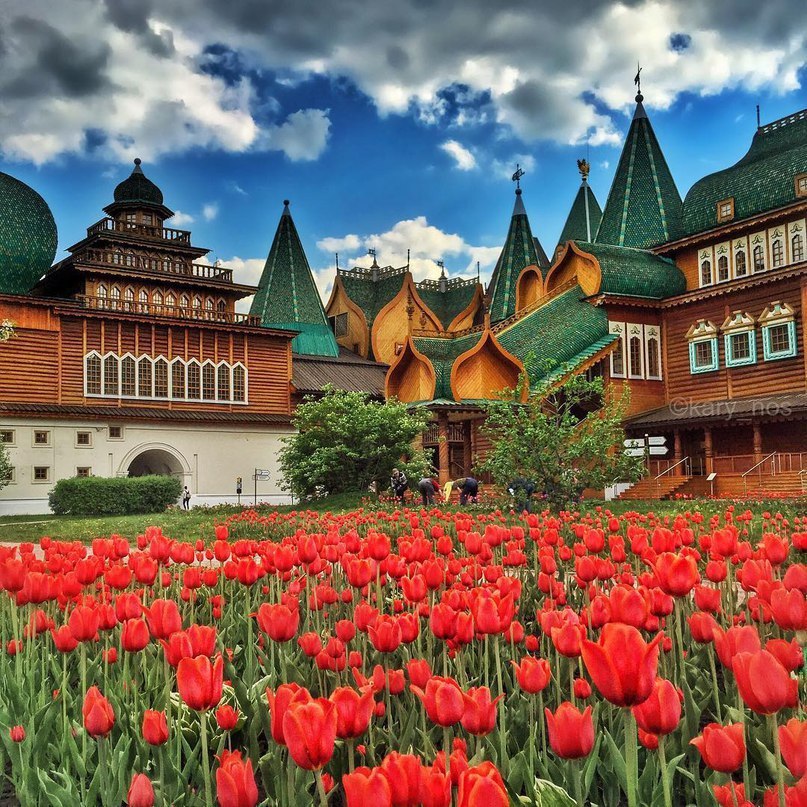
637,80
519,172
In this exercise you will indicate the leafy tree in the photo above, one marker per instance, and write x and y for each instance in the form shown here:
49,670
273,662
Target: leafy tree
564,438
347,442
5,466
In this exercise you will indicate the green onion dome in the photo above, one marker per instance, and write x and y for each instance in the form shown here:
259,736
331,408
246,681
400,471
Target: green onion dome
138,188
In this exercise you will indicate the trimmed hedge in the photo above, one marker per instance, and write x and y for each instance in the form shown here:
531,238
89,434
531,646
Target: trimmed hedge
114,496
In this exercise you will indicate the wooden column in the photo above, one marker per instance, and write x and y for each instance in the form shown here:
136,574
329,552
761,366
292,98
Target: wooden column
707,450
678,454
467,447
757,442
442,447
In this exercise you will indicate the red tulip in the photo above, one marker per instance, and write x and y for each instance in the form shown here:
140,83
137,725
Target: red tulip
764,684
567,639
661,712
435,788
482,786
200,682
677,574
533,674
134,635
309,729
155,727
701,626
733,641
99,717
279,622
235,781
141,791
622,665
789,609
479,717
419,672
353,711
571,732
404,774
443,700
722,747
17,734
793,742
64,640
278,704
163,618
226,717
367,788
385,634
84,623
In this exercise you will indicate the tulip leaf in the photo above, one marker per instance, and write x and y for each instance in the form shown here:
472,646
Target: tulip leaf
763,754
548,794
617,761
590,767
58,796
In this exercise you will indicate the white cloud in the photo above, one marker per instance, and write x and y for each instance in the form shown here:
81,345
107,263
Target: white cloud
506,168
210,211
180,219
464,159
301,137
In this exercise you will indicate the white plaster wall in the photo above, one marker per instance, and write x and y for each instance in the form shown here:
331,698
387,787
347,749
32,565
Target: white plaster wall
211,456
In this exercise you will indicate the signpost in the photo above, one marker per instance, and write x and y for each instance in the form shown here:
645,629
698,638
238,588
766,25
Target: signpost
648,446
238,489
262,474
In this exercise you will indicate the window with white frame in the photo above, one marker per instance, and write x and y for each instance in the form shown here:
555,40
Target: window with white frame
706,272
83,439
8,436
797,248
778,323
652,335
41,473
777,250
759,258
635,351
618,353
740,266
146,377
703,356
723,268
739,339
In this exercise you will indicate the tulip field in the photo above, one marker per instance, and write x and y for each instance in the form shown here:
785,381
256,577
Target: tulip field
411,657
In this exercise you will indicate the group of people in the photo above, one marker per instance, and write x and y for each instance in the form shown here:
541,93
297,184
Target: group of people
520,489
428,487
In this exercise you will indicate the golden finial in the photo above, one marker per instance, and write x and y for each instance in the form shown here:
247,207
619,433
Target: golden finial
584,167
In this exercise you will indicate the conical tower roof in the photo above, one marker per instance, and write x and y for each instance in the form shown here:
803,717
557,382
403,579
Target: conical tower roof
287,296
585,214
518,251
644,207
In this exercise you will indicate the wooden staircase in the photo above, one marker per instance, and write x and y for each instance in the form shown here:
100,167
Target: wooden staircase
784,483
651,488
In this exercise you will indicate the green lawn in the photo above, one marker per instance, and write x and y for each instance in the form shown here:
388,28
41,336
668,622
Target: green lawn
199,522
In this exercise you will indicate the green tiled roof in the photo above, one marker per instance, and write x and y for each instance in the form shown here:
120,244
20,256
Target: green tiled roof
138,188
559,332
518,251
584,217
442,353
762,180
644,207
372,295
287,296
635,272
449,303
27,236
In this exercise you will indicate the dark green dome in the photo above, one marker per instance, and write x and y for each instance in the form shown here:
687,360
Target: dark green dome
138,188
27,236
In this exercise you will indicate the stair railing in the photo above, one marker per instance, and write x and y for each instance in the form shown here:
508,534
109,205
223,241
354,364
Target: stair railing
687,472
759,472
803,480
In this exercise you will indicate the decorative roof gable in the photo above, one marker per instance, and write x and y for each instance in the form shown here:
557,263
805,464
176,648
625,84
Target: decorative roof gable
644,207
287,296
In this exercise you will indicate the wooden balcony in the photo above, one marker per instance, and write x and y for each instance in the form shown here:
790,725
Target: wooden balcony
109,225
107,304
127,262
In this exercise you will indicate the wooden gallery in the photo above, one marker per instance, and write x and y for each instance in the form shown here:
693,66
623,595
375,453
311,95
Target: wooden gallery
128,356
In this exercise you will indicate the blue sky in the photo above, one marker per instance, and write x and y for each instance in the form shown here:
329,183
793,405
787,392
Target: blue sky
389,129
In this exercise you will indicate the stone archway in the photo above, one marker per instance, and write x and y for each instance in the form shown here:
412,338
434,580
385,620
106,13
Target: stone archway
155,462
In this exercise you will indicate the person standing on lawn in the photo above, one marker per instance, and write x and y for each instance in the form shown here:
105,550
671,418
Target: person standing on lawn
186,498
399,484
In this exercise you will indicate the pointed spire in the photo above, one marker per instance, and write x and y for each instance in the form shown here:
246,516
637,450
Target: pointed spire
644,207
518,251
287,296
585,213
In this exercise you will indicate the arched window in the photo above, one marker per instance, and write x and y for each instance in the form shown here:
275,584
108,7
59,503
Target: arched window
635,357
160,378
740,267
129,259
759,258
197,302
221,307
103,291
144,378
116,257
208,304
706,273
208,382
797,248
143,299
653,369
777,253
92,374
171,299
223,393
239,383
114,298
184,301
618,358
157,298
128,375
723,268
194,381
111,373
177,379
128,298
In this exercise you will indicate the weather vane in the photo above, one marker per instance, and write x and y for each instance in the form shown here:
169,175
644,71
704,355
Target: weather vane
442,266
371,252
638,79
517,176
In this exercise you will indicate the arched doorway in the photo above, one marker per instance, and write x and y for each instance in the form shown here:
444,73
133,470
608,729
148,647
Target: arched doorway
156,462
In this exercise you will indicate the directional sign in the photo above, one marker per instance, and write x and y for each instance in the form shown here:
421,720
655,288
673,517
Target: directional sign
261,476
639,442
655,451
657,441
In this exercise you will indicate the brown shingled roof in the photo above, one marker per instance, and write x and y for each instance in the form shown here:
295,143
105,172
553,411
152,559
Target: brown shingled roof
348,371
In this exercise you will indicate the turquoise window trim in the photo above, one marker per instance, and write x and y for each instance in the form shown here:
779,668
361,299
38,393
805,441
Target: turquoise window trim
752,344
768,353
708,368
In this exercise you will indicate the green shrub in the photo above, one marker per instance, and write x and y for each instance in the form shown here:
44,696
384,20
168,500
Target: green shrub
111,496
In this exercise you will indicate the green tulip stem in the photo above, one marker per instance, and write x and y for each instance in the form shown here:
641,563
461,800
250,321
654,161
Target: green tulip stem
577,776
665,778
503,762
780,771
631,758
206,761
715,693
323,797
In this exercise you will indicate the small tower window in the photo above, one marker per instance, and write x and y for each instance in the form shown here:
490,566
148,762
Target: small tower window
725,210
92,374
759,258
184,301
114,296
801,184
128,298
143,299
797,248
157,297
723,268
740,267
706,273
777,253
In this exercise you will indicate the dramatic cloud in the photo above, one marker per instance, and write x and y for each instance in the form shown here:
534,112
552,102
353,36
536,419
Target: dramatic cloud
464,159
126,76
